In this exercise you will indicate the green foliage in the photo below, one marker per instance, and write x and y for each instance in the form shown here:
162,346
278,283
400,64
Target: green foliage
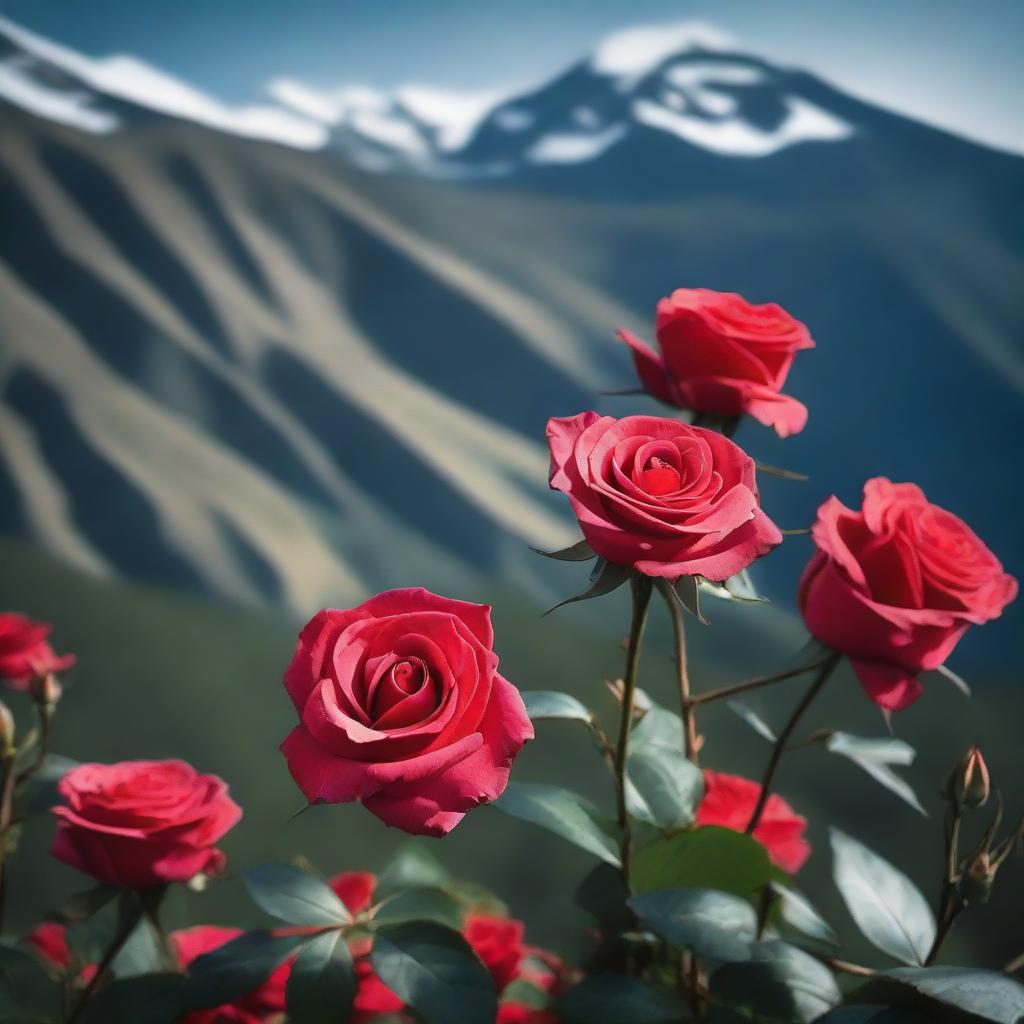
542,704
615,999
412,867
27,994
796,913
144,999
427,903
949,993
778,983
708,858
295,896
714,924
322,983
432,968
566,814
876,756
887,906
664,787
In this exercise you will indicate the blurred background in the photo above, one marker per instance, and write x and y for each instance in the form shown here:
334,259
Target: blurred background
288,292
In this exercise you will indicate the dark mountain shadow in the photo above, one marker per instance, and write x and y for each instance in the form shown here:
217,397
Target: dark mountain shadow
263,576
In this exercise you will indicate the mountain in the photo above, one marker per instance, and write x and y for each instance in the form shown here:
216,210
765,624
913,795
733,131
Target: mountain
283,354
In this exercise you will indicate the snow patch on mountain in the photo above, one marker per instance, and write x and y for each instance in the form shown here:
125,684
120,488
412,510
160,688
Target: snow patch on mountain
636,51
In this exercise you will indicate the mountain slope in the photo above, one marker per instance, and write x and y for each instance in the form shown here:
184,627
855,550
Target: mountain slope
267,373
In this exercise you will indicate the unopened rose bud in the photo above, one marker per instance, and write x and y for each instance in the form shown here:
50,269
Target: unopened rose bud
46,689
968,783
976,881
6,730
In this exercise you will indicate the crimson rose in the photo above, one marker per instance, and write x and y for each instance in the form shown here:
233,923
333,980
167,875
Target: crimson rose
666,498
24,651
722,355
401,706
729,801
896,585
142,823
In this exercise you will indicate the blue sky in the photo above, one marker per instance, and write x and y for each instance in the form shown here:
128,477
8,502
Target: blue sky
955,63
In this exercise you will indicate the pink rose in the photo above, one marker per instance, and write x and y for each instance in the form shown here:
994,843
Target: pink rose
729,801
722,355
666,498
896,585
401,706
142,823
24,652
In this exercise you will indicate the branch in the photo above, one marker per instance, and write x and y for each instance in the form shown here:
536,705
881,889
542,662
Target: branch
755,684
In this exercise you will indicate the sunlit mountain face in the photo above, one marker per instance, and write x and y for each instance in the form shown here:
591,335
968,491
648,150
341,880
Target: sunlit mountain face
300,350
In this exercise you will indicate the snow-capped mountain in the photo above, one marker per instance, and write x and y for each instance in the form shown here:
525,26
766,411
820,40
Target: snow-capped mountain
236,356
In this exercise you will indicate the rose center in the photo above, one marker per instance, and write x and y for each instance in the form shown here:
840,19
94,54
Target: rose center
658,477
408,676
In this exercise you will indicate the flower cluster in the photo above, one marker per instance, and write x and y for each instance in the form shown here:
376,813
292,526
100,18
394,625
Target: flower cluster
400,706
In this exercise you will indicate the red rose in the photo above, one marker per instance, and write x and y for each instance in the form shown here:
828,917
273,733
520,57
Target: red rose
729,802
720,354
354,889
401,706
666,498
265,1002
50,942
896,585
372,995
498,941
24,652
141,823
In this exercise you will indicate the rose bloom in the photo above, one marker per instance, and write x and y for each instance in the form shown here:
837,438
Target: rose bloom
142,823
729,801
668,499
497,941
264,1003
401,706
24,651
720,354
895,585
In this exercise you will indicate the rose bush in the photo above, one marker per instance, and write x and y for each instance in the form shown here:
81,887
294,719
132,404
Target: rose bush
896,585
25,652
141,823
723,355
667,499
401,706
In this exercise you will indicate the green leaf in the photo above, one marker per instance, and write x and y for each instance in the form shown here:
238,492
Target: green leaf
432,969
561,812
705,858
552,704
142,953
778,983
887,906
797,913
431,904
736,588
83,905
658,728
712,923
875,756
663,786
873,1015
322,983
606,577
752,718
682,595
28,995
948,993
412,867
233,970
603,894
145,999
581,551
295,896
615,999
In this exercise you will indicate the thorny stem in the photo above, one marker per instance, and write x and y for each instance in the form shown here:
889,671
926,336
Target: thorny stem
753,684
691,744
45,713
950,904
824,671
6,814
641,587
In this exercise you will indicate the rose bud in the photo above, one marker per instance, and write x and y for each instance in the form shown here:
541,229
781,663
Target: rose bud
46,690
968,783
720,354
6,730
895,585
25,652
666,498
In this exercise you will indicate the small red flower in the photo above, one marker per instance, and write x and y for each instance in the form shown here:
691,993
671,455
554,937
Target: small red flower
25,652
729,800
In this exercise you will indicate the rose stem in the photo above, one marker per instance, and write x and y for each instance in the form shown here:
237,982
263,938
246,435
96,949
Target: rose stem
6,814
948,903
45,713
686,702
129,921
752,684
641,587
780,744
